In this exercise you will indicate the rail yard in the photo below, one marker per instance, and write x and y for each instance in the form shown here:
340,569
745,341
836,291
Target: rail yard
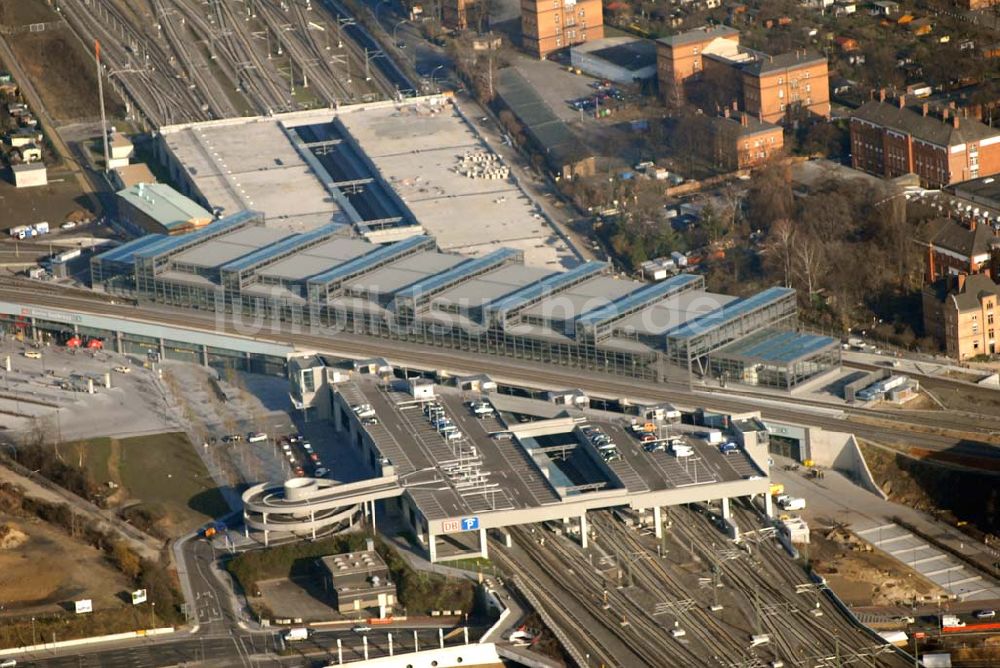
693,599
179,61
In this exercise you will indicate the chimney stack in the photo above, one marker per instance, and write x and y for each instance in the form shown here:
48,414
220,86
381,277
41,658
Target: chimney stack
925,108
902,101
735,107
972,219
725,112
743,119
954,121
961,282
944,114
931,277
881,95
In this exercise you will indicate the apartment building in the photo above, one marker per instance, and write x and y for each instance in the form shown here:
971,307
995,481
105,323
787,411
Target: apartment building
964,312
960,247
741,141
769,87
680,58
775,85
550,25
890,139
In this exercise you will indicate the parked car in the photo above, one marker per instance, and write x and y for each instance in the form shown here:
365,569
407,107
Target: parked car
985,614
256,437
361,628
33,354
122,369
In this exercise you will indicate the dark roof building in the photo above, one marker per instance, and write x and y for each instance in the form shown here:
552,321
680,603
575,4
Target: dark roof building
891,139
563,152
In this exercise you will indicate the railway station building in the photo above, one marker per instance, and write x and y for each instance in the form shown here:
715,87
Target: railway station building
331,280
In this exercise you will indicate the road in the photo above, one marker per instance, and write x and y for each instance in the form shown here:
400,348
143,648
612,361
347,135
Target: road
222,635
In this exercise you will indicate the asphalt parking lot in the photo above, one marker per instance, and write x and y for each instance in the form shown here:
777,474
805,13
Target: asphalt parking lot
56,384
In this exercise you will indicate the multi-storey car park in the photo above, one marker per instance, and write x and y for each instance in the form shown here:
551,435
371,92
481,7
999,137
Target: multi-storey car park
525,461
586,318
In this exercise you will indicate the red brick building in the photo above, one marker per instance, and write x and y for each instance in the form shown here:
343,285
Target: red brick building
961,246
890,139
550,25
742,141
771,87
680,58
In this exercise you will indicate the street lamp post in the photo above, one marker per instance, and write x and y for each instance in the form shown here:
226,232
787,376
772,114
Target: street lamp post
439,67
395,28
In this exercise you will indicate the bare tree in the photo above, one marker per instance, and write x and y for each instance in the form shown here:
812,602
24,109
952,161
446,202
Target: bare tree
809,260
780,247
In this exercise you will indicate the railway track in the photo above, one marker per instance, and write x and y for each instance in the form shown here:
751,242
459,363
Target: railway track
568,624
657,579
541,376
135,60
192,61
771,579
618,613
174,62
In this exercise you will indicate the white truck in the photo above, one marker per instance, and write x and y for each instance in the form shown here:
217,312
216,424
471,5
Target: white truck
41,228
791,502
297,633
951,621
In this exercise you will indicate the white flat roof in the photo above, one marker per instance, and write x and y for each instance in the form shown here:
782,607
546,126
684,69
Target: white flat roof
251,164
418,149
228,247
665,315
492,285
317,259
598,291
408,270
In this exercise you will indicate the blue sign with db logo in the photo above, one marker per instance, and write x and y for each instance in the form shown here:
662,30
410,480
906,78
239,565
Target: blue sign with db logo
470,523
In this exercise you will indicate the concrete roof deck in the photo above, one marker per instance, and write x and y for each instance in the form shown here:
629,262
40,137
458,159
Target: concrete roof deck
588,295
492,285
317,259
219,251
186,278
417,152
673,312
399,274
273,292
250,163
412,444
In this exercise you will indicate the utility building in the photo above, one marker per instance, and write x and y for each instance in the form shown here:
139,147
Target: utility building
359,581
159,209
